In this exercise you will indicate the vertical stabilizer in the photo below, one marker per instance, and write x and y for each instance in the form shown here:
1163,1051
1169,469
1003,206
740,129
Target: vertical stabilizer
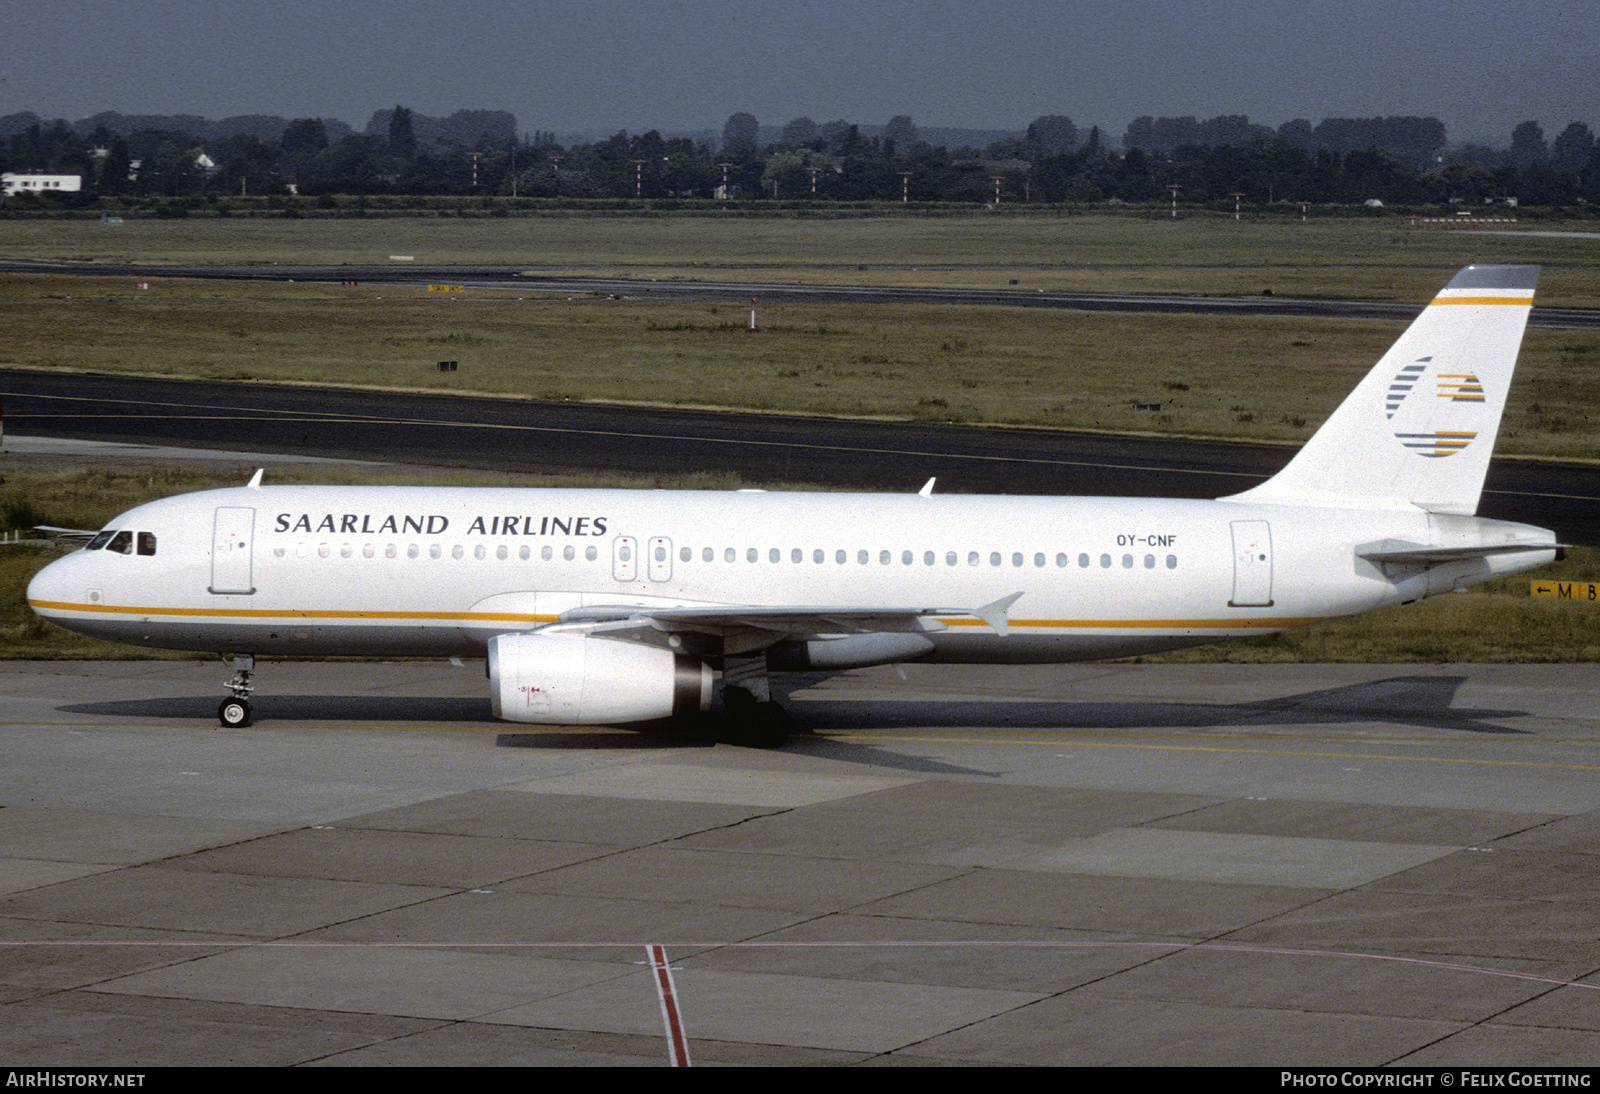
1419,430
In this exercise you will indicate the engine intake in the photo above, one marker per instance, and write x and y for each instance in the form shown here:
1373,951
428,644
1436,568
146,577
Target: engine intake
567,679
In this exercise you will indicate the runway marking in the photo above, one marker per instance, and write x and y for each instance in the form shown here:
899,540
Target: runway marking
957,943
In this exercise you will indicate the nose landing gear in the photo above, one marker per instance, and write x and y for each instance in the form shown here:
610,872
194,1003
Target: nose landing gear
235,713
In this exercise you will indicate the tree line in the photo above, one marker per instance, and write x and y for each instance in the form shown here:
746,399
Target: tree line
1404,160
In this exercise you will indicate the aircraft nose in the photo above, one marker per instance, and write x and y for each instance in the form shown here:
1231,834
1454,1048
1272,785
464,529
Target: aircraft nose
51,588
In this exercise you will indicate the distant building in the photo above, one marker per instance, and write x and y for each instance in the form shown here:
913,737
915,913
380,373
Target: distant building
40,184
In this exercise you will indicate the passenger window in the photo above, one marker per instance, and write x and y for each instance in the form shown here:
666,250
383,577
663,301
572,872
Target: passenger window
1127,562
500,552
949,558
774,555
1105,562
480,552
817,555
1083,560
1016,558
1061,561
883,558
366,550
388,552
861,558
122,543
322,550
796,555
1149,562
839,556
927,558
1172,562
568,552
524,554
591,553
546,553
456,552
707,554
147,543
751,555
99,541
730,555
1038,559
435,551
685,554
972,558
994,558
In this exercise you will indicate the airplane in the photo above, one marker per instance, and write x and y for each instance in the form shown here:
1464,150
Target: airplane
616,606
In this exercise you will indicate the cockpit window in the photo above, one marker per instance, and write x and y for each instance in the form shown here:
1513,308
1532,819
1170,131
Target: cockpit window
147,543
98,541
122,542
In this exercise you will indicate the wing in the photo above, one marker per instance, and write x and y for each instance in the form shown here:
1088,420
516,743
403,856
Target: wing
786,622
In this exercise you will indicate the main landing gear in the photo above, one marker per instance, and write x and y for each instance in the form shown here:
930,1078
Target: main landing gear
751,717
754,723
235,713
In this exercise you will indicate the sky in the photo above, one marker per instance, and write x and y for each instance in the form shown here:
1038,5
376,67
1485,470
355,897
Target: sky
608,65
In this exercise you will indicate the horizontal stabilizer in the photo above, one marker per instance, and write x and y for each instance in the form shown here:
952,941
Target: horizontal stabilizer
77,536
1398,550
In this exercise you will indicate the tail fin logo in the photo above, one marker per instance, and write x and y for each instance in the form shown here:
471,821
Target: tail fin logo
1403,382
1442,442
1453,387
1460,387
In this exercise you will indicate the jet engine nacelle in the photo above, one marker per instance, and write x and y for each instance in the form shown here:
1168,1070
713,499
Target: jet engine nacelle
567,679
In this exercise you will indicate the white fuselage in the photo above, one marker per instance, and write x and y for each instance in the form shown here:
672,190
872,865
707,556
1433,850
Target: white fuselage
420,571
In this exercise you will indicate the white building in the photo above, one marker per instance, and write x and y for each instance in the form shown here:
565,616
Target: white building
40,184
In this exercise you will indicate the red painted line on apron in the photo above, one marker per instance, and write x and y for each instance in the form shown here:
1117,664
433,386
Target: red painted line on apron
671,1017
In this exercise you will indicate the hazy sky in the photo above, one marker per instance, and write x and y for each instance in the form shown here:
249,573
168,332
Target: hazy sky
672,65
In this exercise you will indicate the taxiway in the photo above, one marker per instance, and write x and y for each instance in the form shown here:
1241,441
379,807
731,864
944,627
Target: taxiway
1095,864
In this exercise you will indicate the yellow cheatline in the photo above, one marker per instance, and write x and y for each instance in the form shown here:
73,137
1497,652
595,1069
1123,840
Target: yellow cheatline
1524,300
528,617
291,613
1146,624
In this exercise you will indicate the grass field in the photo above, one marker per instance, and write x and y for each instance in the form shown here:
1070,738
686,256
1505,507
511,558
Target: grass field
1364,258
1253,378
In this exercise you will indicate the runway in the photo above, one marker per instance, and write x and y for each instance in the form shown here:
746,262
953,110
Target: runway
1096,864
566,279
528,435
